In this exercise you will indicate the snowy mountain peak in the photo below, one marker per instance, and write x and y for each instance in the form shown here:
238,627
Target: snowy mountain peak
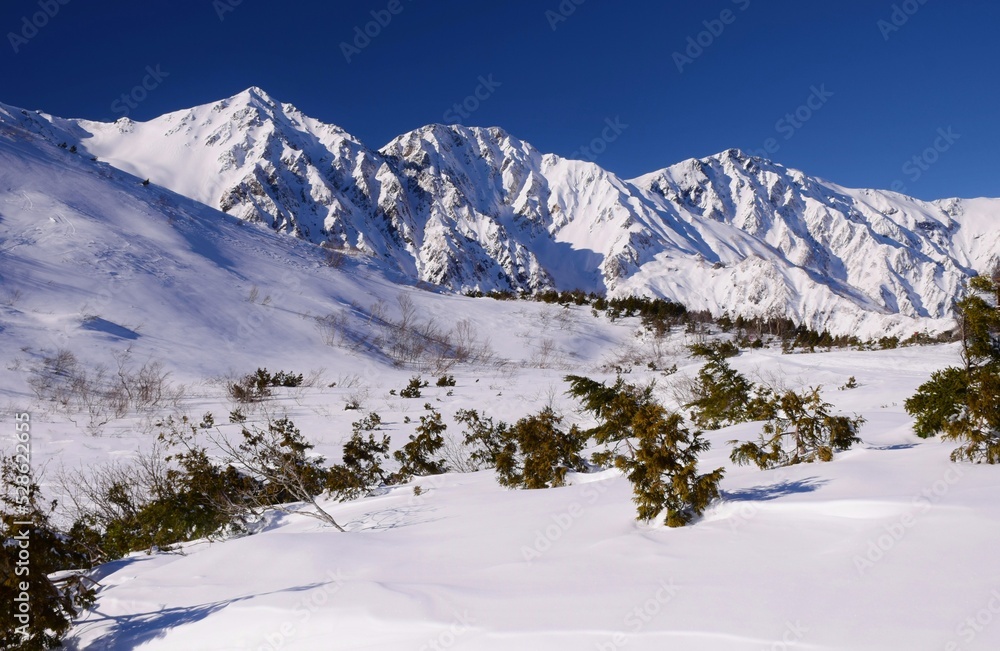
477,208
257,95
735,155
256,103
444,138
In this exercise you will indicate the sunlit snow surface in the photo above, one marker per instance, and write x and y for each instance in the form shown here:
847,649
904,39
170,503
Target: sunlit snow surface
891,546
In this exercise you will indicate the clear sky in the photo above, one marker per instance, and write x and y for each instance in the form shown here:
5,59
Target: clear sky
855,91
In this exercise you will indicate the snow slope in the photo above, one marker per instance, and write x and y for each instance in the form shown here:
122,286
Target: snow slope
888,547
96,262
474,208
834,257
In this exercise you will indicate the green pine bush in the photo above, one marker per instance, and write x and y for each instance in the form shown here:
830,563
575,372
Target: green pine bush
651,446
537,453
725,397
54,602
412,389
256,386
961,402
938,401
482,436
421,455
800,429
361,470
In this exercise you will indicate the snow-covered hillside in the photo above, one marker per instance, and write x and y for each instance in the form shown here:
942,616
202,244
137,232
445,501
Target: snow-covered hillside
785,243
94,260
887,548
473,208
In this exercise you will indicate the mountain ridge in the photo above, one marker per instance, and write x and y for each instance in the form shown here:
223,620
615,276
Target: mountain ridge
475,208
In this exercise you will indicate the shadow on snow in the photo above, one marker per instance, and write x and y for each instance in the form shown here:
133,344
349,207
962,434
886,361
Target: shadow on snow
767,492
128,632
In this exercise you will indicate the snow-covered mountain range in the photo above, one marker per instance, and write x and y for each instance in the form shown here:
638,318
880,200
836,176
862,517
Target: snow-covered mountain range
476,208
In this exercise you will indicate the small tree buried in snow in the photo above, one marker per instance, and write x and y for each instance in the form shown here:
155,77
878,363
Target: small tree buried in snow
256,386
961,402
799,429
651,446
278,456
725,397
413,387
484,438
421,455
663,466
51,603
536,453
155,501
533,453
361,470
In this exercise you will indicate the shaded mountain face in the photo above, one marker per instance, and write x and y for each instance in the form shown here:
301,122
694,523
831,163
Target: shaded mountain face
475,208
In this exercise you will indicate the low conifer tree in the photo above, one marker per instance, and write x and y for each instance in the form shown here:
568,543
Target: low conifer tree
961,402
484,438
536,452
725,397
421,455
800,429
652,447
31,552
413,387
360,472
291,478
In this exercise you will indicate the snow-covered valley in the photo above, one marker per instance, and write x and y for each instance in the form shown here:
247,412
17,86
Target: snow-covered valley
887,547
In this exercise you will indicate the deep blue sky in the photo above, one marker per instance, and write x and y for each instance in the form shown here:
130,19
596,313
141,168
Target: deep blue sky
607,60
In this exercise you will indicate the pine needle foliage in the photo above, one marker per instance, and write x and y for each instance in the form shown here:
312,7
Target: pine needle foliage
52,603
537,453
360,471
801,429
726,397
413,387
962,403
652,447
256,386
977,425
156,501
421,456
291,478
485,439
938,401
